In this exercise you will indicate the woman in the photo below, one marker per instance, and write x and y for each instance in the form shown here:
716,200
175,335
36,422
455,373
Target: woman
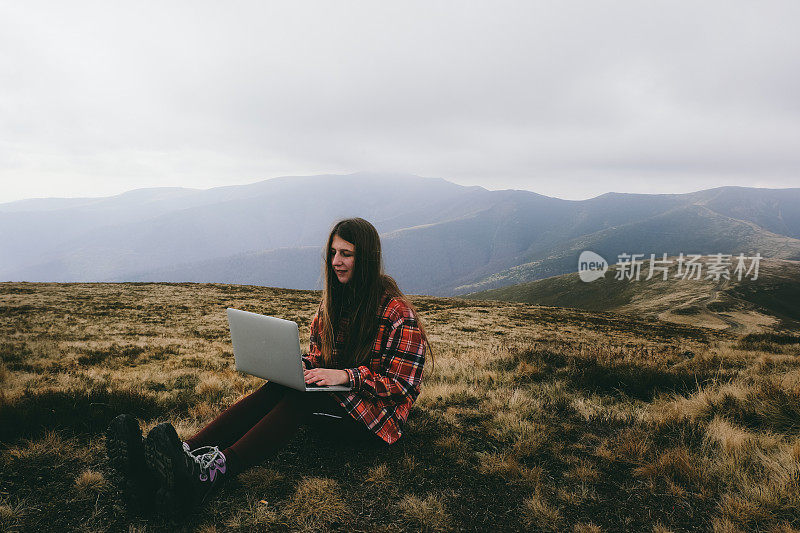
365,334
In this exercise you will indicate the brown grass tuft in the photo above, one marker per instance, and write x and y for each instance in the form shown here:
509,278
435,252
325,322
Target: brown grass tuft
454,447
632,445
51,446
6,513
10,515
723,525
729,437
674,465
584,471
784,527
211,385
427,514
379,475
90,481
742,511
317,503
538,513
259,478
258,515
508,466
583,527
410,463
795,451
660,528
204,411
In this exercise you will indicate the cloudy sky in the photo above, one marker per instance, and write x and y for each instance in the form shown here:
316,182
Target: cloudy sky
568,99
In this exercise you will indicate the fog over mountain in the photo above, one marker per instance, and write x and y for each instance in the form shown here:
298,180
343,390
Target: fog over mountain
439,238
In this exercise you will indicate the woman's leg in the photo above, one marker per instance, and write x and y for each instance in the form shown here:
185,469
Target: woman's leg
276,428
334,423
187,479
239,418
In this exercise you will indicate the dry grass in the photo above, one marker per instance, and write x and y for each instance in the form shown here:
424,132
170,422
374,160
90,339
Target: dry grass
576,421
260,479
317,503
508,466
90,481
379,475
6,512
256,515
426,514
584,471
11,515
659,528
539,514
587,528
51,446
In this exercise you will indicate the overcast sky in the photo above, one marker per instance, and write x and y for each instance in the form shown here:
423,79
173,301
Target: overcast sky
568,99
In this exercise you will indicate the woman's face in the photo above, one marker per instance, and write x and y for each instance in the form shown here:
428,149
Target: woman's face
343,258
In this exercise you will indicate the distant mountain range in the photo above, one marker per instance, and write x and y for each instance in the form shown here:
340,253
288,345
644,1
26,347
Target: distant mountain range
439,238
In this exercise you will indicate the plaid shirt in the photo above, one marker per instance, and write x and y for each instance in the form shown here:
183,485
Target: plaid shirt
385,388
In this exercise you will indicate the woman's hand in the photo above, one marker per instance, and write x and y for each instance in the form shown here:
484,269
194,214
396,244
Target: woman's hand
326,376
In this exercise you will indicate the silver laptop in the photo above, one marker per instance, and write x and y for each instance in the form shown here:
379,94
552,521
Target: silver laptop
269,348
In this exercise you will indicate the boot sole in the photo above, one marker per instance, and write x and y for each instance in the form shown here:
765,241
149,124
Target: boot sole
163,455
125,450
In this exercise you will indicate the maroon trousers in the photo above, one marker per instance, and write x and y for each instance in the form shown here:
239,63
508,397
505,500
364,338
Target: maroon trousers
260,424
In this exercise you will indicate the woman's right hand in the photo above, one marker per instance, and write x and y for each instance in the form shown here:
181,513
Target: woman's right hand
326,377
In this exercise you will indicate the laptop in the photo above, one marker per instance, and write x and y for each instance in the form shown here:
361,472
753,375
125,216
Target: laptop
269,348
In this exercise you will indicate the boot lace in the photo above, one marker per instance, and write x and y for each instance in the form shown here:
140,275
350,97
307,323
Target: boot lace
205,456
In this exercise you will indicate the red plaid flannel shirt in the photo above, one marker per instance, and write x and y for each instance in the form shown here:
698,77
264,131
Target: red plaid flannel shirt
385,388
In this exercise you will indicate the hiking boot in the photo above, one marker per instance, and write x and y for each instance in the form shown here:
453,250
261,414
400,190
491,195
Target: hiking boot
125,448
186,477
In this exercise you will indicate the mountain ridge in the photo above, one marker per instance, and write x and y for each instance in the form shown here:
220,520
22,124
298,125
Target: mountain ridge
439,237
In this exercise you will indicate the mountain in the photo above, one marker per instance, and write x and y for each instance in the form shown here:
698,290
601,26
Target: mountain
148,230
691,229
742,305
438,237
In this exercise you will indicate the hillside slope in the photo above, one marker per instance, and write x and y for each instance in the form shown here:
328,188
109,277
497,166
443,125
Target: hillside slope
772,301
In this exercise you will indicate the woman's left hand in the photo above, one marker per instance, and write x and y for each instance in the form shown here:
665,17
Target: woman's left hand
326,376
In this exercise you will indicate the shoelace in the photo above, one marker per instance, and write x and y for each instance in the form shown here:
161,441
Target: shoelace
205,455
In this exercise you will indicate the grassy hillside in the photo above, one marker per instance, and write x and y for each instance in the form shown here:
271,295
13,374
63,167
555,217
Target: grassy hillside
692,229
770,302
534,418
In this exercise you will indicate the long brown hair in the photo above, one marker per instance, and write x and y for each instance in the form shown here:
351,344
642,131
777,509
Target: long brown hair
360,298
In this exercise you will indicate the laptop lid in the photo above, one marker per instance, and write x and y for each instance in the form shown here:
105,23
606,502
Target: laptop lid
267,347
